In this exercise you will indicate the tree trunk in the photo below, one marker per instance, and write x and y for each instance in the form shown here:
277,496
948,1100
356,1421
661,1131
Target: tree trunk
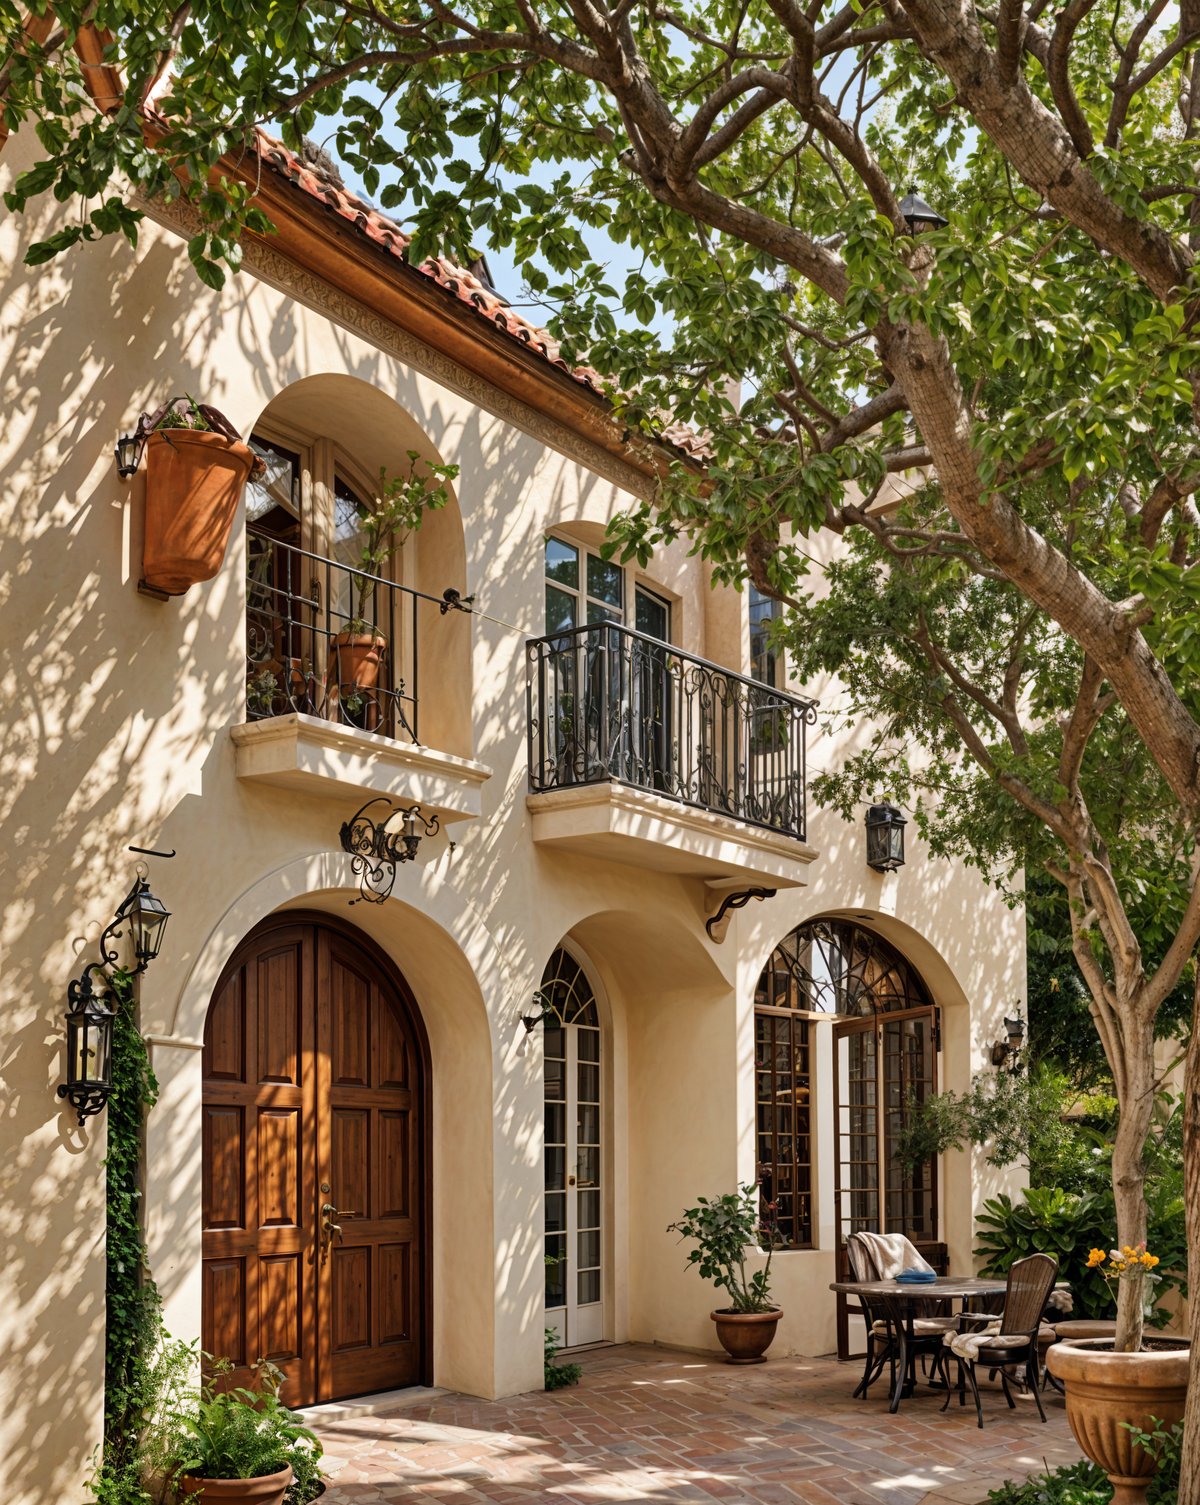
1189,1472
1135,1096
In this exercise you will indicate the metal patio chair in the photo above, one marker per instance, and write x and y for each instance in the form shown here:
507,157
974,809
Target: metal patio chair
883,1320
1015,1345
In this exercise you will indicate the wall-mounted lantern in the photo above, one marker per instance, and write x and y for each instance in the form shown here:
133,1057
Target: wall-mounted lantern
90,1017
1008,1051
919,216
885,837
378,847
129,454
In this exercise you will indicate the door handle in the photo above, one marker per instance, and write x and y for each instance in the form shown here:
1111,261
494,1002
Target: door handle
570,1180
329,1228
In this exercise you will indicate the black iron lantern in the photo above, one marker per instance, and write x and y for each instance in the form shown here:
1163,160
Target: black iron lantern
1009,1049
90,1014
919,216
885,838
89,1081
129,455
147,919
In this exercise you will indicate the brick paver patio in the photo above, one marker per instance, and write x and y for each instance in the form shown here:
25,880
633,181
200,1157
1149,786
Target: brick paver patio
659,1425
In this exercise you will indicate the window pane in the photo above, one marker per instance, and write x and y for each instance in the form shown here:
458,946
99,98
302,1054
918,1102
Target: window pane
560,610
588,1209
764,657
278,486
562,563
555,1163
556,1271
597,613
589,1286
556,1123
782,1142
589,1123
605,581
556,1211
589,1250
651,616
589,1167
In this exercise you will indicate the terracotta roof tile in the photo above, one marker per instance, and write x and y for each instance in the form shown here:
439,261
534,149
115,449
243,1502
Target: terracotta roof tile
455,280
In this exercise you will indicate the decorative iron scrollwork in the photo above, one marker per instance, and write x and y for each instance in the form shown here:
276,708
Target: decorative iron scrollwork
377,848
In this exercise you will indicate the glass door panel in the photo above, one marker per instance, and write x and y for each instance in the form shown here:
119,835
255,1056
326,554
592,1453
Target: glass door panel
857,1181
574,1158
908,1077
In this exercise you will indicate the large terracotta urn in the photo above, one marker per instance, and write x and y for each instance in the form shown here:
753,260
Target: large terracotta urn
746,1336
269,1489
1108,1392
194,482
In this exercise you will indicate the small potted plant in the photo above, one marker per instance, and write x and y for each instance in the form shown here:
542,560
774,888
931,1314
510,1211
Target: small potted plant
1113,1395
196,469
360,648
238,1446
723,1229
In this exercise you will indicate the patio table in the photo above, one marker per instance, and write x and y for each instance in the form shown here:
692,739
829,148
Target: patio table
900,1299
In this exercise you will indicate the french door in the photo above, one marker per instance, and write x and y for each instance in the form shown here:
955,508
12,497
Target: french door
574,1162
883,1064
315,1174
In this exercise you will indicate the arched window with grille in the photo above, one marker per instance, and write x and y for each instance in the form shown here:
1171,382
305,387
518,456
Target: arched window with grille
885,1042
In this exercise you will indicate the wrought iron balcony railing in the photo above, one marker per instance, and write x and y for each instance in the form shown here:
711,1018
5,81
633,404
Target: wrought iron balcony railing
607,704
329,640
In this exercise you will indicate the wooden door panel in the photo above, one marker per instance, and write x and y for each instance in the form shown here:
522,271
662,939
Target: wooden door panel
259,1164
374,1156
311,1096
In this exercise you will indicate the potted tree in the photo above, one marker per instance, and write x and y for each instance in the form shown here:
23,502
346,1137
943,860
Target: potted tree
238,1446
359,649
196,469
1113,1396
723,1229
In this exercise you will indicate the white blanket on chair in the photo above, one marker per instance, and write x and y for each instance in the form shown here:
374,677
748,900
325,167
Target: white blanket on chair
966,1345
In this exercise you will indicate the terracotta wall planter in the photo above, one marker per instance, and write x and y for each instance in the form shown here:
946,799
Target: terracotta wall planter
1107,1390
267,1490
194,482
746,1336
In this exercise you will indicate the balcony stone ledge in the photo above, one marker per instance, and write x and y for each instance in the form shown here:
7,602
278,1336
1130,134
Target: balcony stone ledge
327,760
647,830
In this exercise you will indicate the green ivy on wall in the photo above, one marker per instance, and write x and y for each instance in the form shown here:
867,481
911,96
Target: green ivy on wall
134,1323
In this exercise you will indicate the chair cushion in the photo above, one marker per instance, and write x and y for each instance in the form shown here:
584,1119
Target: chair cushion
923,1327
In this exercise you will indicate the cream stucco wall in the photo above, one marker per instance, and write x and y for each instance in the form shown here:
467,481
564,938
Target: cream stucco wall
116,729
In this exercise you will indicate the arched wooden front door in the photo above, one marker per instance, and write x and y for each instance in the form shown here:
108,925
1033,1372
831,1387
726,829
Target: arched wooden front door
316,1184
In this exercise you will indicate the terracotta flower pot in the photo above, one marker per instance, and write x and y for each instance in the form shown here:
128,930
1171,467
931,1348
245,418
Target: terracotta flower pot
267,1490
194,483
746,1336
356,665
1107,1392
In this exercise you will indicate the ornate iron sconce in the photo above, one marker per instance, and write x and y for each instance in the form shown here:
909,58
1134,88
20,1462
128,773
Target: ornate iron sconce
1008,1051
90,1015
547,1011
377,849
885,838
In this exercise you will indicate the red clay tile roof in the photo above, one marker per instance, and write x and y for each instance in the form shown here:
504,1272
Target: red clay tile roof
463,284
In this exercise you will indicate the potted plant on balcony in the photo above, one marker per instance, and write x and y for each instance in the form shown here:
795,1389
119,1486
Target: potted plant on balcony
359,649
723,1229
1112,1395
196,469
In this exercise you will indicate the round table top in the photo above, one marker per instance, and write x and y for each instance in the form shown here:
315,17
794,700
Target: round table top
944,1285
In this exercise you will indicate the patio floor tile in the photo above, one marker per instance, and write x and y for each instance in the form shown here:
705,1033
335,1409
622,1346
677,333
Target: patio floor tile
657,1425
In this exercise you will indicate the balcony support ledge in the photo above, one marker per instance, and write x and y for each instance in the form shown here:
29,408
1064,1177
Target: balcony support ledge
630,825
327,760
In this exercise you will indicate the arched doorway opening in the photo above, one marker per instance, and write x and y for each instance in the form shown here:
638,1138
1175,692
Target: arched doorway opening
886,1038
316,1180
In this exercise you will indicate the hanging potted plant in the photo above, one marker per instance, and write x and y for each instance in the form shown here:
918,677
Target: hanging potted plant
196,469
723,1230
1114,1395
360,648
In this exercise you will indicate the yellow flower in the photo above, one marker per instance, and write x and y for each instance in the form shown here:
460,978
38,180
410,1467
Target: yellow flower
1150,1260
1095,1257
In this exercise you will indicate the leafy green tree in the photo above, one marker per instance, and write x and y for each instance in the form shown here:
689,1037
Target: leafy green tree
999,416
